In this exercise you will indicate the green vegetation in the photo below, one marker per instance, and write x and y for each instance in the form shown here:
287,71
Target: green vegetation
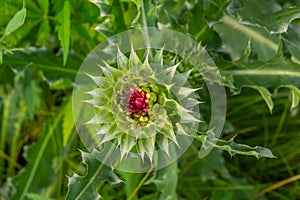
255,46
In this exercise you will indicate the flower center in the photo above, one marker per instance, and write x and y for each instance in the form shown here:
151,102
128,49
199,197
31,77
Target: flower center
139,102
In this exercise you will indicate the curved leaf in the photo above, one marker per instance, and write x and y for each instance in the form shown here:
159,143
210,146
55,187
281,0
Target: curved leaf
85,187
17,21
231,147
265,94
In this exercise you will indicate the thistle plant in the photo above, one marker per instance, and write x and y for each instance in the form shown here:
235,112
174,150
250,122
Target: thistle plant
142,105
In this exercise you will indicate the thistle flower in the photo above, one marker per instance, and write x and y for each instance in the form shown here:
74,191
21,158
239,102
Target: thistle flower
138,106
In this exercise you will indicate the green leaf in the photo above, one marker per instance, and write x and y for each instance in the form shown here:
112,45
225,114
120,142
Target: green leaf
122,60
295,95
103,5
166,76
38,172
126,142
292,40
265,94
36,30
68,123
17,21
264,44
183,92
63,25
85,187
111,72
268,14
101,81
209,140
283,18
146,146
269,75
45,61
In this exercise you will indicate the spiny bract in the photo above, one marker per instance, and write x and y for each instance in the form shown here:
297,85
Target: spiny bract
138,104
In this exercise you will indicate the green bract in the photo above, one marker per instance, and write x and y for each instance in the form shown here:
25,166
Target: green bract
137,104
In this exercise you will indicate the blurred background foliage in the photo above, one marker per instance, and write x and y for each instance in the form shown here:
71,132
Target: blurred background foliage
255,45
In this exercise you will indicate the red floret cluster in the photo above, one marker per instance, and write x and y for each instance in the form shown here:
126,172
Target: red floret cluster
138,102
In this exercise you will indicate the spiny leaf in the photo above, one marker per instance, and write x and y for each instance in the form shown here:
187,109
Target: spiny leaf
271,75
180,129
183,92
63,25
166,75
85,187
283,18
176,110
181,78
292,40
104,117
122,60
98,101
264,44
134,60
110,71
103,82
109,135
115,17
189,102
163,143
17,21
257,13
104,6
126,143
231,147
158,59
100,92
146,146
104,129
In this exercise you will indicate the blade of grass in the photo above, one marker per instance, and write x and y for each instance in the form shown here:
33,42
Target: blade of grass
4,121
279,184
23,190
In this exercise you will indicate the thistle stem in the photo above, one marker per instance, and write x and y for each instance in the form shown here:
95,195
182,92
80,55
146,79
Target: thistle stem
140,184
